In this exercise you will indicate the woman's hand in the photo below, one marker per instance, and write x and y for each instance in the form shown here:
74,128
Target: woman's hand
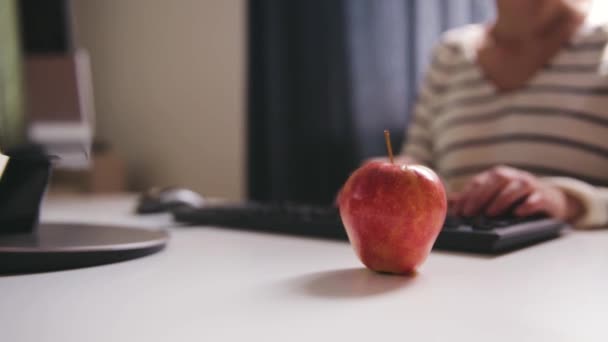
504,189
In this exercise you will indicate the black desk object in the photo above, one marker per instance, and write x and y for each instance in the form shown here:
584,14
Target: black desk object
27,246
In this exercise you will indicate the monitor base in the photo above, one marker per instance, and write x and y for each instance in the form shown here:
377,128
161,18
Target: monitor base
53,247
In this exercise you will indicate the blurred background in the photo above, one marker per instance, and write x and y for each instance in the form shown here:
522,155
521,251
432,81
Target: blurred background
261,99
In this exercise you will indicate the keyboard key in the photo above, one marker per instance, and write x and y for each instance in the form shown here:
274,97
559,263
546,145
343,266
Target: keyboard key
452,222
483,223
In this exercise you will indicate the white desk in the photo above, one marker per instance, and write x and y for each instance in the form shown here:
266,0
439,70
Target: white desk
222,285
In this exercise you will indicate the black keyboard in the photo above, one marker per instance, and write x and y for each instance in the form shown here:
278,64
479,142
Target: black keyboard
479,234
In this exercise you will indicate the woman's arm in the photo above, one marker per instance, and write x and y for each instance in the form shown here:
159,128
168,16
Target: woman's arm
593,200
506,190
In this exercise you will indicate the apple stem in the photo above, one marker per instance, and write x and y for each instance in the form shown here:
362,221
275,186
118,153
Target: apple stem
389,147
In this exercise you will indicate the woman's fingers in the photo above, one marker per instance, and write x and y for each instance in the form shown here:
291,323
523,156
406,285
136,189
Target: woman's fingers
453,200
495,191
507,197
534,204
482,190
480,196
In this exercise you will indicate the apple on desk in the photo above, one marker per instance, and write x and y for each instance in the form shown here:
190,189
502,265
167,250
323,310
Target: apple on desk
392,214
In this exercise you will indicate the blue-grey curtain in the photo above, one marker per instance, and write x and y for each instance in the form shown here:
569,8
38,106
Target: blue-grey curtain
389,44
326,77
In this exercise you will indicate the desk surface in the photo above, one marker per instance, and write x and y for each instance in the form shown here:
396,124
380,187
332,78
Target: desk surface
224,285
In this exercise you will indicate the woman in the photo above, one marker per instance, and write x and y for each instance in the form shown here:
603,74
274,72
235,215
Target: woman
514,115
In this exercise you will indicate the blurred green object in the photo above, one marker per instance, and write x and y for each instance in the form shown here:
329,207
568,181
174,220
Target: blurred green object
12,114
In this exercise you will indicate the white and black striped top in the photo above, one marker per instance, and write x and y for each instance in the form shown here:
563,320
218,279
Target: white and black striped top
557,125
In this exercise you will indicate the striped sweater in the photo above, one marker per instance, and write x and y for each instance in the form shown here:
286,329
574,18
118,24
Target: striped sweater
555,127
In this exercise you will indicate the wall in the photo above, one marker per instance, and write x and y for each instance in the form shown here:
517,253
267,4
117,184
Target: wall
11,97
169,88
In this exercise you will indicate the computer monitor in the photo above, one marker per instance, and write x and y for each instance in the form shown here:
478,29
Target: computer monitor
45,26
53,129
58,87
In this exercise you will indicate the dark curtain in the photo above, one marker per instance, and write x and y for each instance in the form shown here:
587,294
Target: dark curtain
326,77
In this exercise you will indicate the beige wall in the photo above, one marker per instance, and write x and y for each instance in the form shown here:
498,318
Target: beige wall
169,88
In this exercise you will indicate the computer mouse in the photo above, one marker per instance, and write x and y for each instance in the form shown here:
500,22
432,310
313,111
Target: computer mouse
158,200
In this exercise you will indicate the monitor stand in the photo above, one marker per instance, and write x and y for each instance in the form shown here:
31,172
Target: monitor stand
54,247
27,246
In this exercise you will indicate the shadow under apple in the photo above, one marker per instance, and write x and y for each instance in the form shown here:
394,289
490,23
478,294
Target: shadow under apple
349,283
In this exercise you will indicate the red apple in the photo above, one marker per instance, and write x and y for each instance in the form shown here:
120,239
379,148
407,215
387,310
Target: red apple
392,214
